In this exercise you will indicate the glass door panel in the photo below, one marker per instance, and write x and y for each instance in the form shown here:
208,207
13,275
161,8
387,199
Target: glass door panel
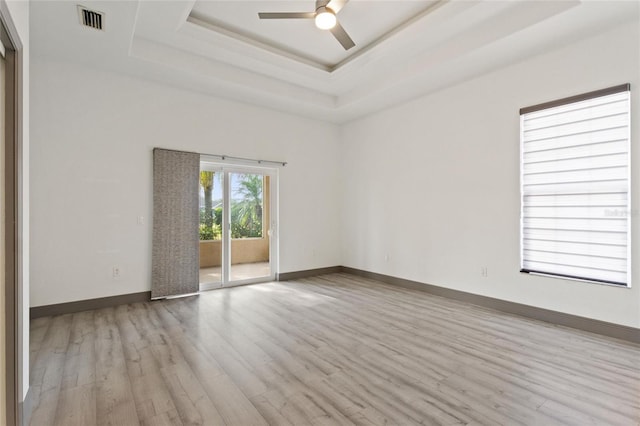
211,215
249,226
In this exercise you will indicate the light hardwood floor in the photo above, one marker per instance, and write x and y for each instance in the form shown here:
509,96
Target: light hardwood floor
335,349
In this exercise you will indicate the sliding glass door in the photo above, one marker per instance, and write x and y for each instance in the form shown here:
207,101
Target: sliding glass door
210,226
249,207
237,222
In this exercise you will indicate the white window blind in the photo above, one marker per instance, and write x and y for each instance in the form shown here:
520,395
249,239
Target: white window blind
575,187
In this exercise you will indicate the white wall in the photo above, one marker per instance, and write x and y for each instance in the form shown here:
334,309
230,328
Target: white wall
434,183
91,170
19,11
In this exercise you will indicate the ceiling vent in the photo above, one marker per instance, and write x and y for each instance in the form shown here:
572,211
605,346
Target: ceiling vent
91,18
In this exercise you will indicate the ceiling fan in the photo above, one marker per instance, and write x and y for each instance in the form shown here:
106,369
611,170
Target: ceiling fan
324,16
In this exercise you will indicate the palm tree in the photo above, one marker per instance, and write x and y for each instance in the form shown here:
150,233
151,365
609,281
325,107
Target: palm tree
206,182
247,212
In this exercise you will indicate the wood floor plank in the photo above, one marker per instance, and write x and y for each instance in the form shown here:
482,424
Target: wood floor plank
151,395
79,367
114,398
230,402
167,418
37,331
329,350
77,400
232,363
182,383
269,412
47,370
77,406
190,399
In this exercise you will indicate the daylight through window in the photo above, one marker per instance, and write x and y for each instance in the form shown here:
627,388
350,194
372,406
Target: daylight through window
575,187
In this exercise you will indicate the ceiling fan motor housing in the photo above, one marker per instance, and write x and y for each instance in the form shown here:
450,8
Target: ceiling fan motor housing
325,18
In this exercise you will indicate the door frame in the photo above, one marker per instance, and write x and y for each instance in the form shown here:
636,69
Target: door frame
226,169
13,309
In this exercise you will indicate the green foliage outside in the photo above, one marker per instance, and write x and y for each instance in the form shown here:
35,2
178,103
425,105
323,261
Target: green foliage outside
213,231
246,209
246,213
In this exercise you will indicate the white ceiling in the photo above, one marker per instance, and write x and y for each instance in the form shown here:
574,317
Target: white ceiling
365,21
404,48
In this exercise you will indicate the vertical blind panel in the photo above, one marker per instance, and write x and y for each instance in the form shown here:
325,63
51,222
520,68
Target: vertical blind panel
176,251
575,189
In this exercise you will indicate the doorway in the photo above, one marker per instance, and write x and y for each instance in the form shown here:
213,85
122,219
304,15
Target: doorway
237,225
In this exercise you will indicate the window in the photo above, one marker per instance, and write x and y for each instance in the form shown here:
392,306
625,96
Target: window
575,187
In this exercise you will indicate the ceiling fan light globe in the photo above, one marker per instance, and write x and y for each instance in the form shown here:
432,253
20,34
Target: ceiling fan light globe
325,19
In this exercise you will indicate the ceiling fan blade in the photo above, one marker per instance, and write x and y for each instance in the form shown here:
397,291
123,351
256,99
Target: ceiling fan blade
286,15
341,35
336,5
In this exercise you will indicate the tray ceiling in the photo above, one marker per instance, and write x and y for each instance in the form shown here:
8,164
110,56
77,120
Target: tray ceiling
367,22
404,48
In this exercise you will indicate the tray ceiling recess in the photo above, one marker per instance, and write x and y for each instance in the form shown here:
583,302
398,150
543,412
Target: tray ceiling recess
369,23
403,48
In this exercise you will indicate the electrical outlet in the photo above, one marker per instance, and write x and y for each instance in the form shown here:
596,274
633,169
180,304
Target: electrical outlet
484,272
387,257
116,272
140,220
